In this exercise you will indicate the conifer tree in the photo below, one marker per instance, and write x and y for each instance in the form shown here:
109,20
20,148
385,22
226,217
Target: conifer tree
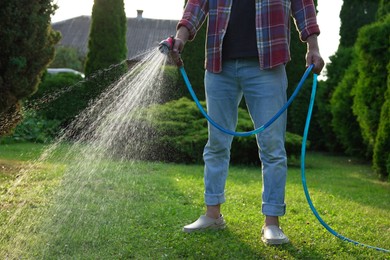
372,57
381,156
353,15
107,39
26,48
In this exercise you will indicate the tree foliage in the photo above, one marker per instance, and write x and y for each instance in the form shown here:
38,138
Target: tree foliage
67,57
381,157
26,48
107,39
107,48
359,102
348,134
373,54
383,10
355,14
336,70
60,97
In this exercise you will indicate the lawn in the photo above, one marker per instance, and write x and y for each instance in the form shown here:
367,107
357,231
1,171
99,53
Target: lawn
136,210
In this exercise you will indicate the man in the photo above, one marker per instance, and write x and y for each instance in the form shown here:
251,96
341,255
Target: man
247,49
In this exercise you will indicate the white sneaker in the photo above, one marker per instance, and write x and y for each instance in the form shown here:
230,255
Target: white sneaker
204,223
273,235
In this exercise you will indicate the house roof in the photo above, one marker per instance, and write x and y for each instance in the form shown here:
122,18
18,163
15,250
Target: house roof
142,33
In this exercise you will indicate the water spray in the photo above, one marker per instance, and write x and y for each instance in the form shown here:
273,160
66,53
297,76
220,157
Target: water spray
166,47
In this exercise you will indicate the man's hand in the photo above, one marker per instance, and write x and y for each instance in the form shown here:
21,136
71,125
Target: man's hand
181,38
313,55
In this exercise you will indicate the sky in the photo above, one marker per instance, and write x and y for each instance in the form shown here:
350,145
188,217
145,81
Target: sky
328,16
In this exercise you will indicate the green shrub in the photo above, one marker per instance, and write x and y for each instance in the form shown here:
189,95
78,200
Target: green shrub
171,88
384,9
177,132
59,97
373,55
68,57
63,96
33,128
348,134
382,144
381,157
335,72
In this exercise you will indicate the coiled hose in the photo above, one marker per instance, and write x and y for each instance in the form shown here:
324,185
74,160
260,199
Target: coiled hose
304,141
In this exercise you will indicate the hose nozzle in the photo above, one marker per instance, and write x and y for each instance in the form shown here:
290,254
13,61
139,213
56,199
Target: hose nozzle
166,45
166,48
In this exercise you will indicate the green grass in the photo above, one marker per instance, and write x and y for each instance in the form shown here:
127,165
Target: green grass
137,211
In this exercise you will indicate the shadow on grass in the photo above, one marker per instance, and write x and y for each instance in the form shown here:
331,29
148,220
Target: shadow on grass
227,244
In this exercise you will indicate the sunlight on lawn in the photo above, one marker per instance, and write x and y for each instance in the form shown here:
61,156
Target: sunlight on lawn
137,210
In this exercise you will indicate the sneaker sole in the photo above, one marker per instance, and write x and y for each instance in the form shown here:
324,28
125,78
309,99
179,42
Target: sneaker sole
219,227
274,242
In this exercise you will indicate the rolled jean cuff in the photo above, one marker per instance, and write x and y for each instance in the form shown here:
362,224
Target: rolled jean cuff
276,210
214,199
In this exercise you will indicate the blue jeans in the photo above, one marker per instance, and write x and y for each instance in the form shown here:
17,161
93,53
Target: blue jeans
265,93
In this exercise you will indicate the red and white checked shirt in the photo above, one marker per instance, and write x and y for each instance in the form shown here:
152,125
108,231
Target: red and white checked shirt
272,27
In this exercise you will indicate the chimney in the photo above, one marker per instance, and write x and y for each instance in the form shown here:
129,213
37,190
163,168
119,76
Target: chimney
139,14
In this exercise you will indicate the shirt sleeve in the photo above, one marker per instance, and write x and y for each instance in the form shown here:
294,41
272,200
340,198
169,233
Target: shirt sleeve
304,14
194,15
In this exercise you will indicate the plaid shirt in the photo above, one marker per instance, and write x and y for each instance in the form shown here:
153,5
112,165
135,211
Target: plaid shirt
272,27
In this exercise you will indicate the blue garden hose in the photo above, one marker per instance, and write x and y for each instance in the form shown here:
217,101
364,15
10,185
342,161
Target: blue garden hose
303,155
304,140
257,130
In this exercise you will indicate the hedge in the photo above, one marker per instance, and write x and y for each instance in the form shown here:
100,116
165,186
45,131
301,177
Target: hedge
177,132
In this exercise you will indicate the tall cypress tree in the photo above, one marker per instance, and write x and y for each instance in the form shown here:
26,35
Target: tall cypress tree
381,157
26,48
355,14
107,39
373,55
383,9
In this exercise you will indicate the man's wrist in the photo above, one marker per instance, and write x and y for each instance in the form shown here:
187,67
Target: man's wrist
183,34
312,42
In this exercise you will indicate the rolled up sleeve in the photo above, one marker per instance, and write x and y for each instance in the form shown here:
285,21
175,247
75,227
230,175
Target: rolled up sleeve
304,14
194,15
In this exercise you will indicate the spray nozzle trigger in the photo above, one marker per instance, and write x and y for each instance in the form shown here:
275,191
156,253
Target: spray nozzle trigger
166,45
